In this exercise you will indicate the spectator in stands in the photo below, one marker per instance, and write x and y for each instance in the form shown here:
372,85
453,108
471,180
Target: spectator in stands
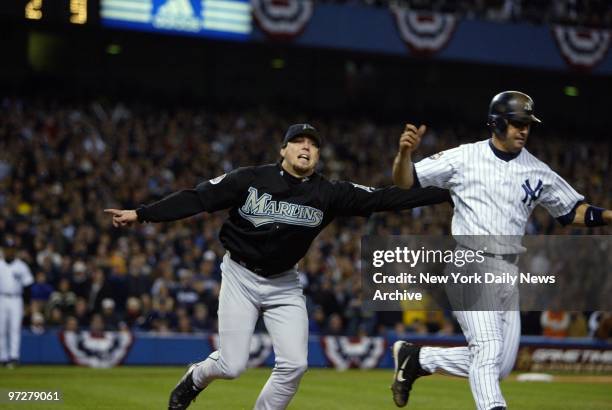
63,298
139,277
133,317
166,281
110,317
48,256
80,283
317,321
99,291
71,324
118,282
207,272
37,323
334,327
326,298
578,325
555,323
81,313
146,308
96,325
162,318
184,325
201,322
55,318
600,325
41,290
185,294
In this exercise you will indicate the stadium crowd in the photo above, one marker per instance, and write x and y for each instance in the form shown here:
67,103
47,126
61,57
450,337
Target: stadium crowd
590,13
61,164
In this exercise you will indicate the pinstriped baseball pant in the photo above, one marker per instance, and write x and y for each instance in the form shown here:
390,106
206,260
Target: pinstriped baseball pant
493,340
11,315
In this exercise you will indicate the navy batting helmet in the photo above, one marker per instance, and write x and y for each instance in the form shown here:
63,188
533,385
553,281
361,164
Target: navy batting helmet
510,106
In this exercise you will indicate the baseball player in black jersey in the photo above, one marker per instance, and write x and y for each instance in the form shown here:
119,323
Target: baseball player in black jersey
275,212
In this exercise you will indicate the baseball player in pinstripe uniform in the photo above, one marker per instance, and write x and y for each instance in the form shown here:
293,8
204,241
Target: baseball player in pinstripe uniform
15,278
495,185
276,211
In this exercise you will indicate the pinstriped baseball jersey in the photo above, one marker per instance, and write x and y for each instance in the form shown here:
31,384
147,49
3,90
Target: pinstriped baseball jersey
493,196
14,276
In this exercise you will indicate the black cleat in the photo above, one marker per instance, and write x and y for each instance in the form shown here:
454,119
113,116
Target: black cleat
407,370
185,391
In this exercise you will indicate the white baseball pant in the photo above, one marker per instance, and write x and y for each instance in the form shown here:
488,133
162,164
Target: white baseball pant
493,340
11,315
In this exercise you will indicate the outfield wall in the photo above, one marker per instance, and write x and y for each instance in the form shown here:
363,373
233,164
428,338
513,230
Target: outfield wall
114,348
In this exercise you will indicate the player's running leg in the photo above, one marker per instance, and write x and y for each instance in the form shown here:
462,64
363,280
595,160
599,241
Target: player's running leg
237,316
407,370
4,326
484,333
15,319
286,320
512,336
480,361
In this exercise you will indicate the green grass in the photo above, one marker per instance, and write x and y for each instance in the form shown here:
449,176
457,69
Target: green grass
148,388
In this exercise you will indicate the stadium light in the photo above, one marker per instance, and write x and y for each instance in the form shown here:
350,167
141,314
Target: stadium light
571,91
278,63
113,49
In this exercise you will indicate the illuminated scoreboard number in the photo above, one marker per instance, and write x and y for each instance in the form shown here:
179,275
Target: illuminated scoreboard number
74,11
78,11
33,10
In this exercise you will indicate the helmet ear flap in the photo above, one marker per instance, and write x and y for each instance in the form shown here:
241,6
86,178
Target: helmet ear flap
498,124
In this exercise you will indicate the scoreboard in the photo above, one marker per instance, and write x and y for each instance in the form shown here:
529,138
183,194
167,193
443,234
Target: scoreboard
205,18
226,19
51,11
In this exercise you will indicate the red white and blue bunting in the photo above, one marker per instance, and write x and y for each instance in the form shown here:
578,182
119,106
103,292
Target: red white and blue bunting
353,352
260,349
96,349
282,19
425,33
581,47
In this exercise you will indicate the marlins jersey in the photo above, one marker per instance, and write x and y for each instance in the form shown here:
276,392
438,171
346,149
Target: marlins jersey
495,192
274,216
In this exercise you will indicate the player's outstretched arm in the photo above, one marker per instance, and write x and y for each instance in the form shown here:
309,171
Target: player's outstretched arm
122,217
209,196
589,215
402,165
179,205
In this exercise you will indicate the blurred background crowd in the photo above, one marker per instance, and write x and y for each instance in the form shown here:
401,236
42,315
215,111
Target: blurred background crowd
590,13
62,163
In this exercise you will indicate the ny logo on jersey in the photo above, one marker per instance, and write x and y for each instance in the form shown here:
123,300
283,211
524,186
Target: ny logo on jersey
530,193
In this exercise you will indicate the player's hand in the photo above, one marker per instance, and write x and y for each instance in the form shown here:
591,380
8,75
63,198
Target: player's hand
122,217
411,138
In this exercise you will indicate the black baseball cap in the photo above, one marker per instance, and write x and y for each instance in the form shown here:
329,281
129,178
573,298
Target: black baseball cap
296,130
